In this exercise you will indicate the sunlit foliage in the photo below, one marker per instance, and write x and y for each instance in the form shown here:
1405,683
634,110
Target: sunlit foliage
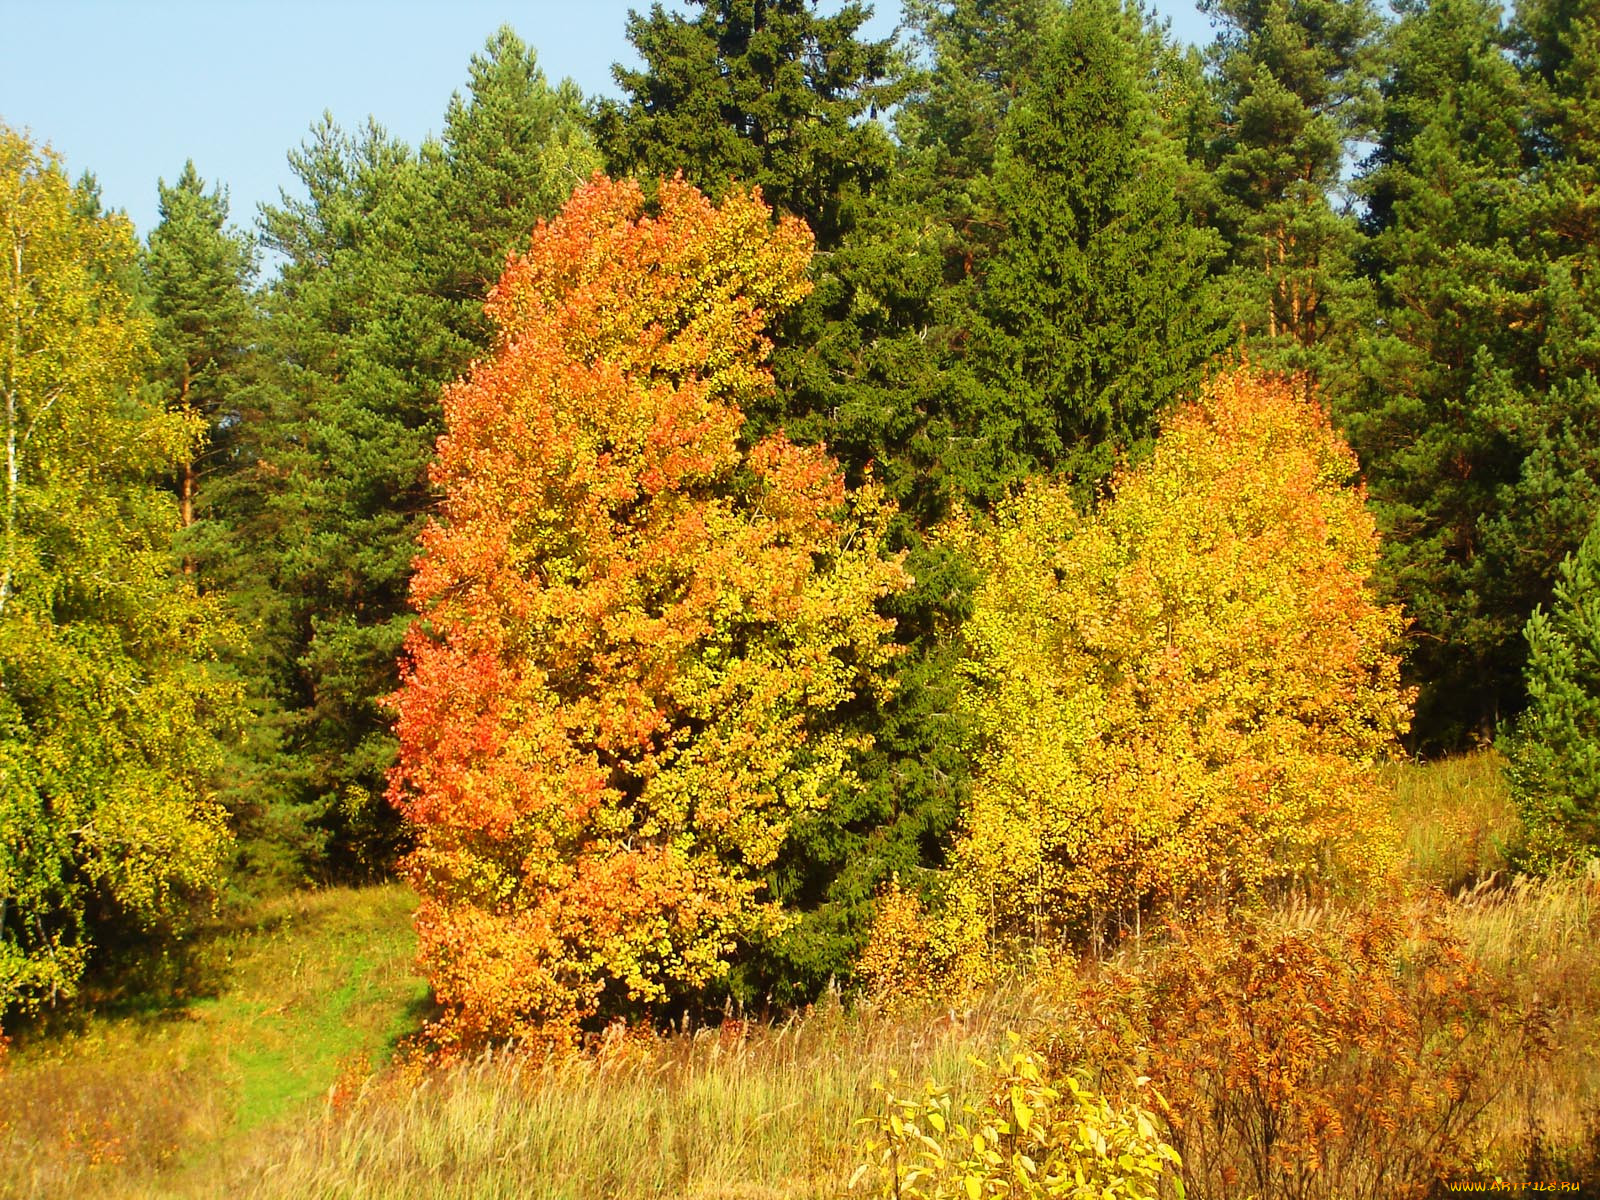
1182,698
628,622
109,708
1038,1134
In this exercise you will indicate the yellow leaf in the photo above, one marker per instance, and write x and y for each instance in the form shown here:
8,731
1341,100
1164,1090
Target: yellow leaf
1021,1111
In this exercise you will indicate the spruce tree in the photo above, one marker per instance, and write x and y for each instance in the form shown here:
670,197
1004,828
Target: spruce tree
871,365
976,57
1098,295
1549,408
767,92
1542,399
1452,287
1031,288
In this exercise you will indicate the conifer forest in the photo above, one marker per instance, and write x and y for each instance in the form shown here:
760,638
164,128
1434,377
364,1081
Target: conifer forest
1006,610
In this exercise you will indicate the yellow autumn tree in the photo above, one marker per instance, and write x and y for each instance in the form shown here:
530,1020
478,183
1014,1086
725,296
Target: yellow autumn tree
114,714
1184,697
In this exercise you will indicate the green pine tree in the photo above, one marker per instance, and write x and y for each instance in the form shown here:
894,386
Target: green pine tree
1543,402
1452,294
316,531
1070,231
377,307
1554,753
1294,79
1022,297
197,275
1549,408
976,56
513,149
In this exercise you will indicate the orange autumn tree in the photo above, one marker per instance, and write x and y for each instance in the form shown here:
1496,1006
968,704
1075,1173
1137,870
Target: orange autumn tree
610,711
1184,697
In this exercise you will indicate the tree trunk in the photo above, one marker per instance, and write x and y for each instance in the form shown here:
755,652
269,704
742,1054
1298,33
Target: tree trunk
13,469
186,477
1272,299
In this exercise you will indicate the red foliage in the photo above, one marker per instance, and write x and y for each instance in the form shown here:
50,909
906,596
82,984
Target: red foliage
1312,1055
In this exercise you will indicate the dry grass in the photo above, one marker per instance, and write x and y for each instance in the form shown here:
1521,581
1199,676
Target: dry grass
255,1091
1457,818
769,1112
66,1129
1540,941
748,1112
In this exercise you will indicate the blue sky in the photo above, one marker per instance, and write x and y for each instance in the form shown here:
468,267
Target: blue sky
130,90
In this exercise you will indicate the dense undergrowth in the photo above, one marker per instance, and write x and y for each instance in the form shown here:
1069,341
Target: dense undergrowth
263,1064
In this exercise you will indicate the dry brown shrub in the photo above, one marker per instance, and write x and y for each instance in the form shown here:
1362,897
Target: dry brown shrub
1304,1055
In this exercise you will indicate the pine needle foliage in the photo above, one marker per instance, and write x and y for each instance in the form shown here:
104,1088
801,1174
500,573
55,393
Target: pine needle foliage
1554,750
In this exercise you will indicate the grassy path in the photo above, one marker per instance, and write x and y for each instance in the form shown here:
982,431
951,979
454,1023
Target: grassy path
271,1009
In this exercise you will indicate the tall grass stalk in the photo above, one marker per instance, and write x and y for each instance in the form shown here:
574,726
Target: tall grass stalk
1541,940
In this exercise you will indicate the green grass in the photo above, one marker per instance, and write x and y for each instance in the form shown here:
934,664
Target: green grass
266,1014
1456,817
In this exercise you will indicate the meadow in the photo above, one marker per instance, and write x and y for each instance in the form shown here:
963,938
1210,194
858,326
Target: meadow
265,1063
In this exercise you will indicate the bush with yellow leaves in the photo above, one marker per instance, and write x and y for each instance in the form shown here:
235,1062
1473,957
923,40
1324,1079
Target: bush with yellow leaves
1036,1135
